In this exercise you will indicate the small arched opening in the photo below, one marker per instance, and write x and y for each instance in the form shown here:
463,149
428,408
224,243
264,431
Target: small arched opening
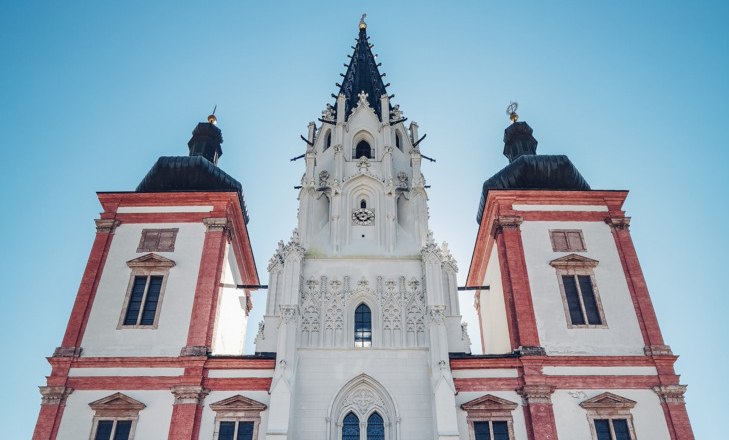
398,140
328,140
362,326
363,149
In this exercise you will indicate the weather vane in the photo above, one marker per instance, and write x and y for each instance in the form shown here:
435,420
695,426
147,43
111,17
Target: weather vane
211,117
362,24
511,111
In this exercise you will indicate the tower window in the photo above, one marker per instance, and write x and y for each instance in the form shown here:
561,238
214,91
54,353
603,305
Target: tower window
362,326
235,431
363,149
491,430
328,140
579,292
158,240
143,301
363,204
398,140
610,417
612,429
567,240
113,430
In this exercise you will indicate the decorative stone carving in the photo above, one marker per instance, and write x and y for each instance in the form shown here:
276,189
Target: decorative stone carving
363,165
505,222
464,335
310,307
54,395
67,351
328,113
261,335
324,179
606,401
214,224
288,313
437,314
151,261
396,113
618,223
363,398
194,350
671,393
363,216
657,350
573,261
448,261
390,298
362,99
402,181
415,315
189,394
536,394
106,226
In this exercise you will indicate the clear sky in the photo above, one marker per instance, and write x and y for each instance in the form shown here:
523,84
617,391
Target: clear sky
636,93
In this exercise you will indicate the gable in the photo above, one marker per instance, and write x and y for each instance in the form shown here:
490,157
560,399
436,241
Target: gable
573,260
238,403
116,404
489,402
151,261
607,401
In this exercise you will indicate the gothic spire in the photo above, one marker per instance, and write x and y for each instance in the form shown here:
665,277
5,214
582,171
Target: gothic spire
362,76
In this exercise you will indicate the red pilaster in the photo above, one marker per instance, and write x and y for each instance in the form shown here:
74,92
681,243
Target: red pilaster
538,412
87,290
49,418
674,408
186,412
200,335
636,282
520,308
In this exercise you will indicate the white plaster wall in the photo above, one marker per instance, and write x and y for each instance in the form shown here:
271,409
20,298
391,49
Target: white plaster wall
207,422
102,338
519,423
232,317
322,373
153,423
494,325
370,268
572,423
622,335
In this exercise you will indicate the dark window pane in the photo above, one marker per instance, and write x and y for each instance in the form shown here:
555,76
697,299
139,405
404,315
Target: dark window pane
123,427
588,299
481,429
501,430
150,305
362,326
620,426
135,301
363,149
245,431
375,427
573,302
227,431
103,430
602,429
350,427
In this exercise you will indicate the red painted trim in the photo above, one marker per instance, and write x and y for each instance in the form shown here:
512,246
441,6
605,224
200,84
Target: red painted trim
184,418
235,383
677,419
49,420
563,216
560,382
166,382
569,361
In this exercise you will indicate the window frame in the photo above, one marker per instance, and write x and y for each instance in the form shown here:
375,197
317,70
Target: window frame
156,248
116,407
556,248
237,409
364,342
145,266
489,408
575,266
609,406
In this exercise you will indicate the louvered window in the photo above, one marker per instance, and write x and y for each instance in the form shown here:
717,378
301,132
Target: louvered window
158,240
581,301
113,430
567,240
235,431
143,300
491,430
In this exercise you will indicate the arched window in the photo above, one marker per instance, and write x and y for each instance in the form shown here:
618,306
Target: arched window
350,427
375,427
363,204
398,140
328,140
363,149
362,326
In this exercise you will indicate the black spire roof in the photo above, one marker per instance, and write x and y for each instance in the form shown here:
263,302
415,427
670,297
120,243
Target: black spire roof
362,76
527,170
196,172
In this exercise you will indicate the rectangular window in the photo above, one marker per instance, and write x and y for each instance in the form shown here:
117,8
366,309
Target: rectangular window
143,300
612,429
581,301
491,430
235,431
567,240
158,240
113,430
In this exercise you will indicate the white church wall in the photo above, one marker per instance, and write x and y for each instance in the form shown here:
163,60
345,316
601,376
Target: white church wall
103,338
494,325
153,422
622,335
649,421
232,316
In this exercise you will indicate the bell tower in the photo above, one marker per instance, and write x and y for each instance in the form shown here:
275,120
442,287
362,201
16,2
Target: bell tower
362,290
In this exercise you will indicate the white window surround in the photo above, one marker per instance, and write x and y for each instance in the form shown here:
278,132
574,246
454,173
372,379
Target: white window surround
117,407
576,265
146,265
609,406
489,408
237,409
363,396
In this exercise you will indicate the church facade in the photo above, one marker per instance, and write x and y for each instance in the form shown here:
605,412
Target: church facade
362,336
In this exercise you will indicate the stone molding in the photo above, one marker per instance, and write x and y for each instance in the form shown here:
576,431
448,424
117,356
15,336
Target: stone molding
189,394
106,225
506,222
194,350
618,223
214,224
117,405
573,261
151,261
608,401
657,350
54,395
530,350
67,352
288,313
671,393
437,314
536,394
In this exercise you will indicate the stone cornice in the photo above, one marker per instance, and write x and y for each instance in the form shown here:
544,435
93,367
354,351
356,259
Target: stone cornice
54,395
189,394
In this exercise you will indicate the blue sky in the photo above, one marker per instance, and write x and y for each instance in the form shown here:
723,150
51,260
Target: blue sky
636,93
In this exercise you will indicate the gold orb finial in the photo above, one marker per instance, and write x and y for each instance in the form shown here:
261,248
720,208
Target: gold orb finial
211,117
362,24
511,111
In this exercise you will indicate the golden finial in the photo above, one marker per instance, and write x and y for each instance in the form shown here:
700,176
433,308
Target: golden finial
511,111
211,117
362,24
